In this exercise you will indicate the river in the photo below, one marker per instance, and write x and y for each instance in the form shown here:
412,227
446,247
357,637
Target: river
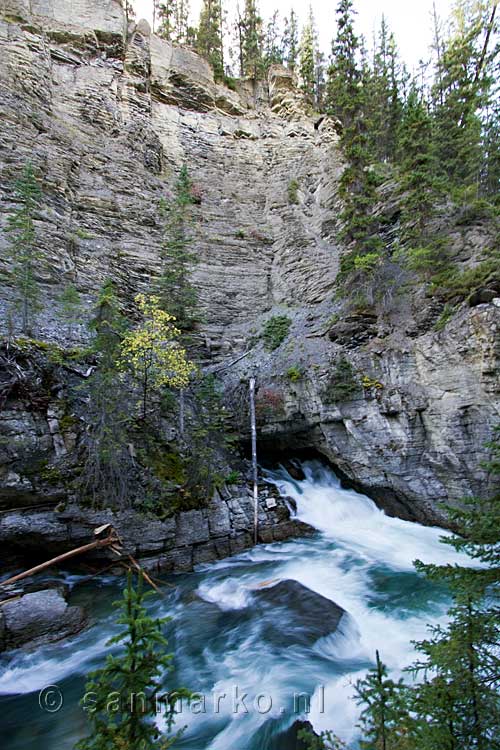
227,644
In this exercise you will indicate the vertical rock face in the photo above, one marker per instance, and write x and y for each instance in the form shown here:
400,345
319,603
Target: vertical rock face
108,116
108,121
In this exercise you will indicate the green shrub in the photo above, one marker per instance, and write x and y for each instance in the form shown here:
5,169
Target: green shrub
444,317
240,234
233,477
342,384
366,263
451,283
293,191
275,331
294,373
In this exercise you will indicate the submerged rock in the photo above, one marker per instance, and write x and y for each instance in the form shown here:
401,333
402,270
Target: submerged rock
38,618
296,615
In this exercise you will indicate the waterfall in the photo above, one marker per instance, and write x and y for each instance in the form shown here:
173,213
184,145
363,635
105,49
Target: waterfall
225,638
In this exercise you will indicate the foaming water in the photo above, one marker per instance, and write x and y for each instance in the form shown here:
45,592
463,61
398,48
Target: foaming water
225,639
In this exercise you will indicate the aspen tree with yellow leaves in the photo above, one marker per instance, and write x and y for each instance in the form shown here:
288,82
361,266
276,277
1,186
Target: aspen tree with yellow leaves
152,353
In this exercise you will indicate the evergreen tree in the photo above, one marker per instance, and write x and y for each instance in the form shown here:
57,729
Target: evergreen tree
461,92
70,308
419,183
308,59
291,40
174,22
251,40
385,718
123,697
107,462
273,42
383,100
129,11
174,288
458,704
209,41
343,86
24,254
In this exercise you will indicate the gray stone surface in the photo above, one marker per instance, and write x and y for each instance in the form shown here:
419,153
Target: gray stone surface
108,122
37,618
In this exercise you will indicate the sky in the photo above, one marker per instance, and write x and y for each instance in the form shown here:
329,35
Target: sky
410,20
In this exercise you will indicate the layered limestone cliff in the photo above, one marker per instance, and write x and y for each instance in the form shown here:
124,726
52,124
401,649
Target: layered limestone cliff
108,115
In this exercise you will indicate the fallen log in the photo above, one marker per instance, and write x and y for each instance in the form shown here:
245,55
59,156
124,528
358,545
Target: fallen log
108,541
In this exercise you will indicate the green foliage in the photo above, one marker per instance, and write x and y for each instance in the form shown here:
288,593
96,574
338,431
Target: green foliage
152,354
275,331
233,477
452,284
174,22
445,316
251,41
294,373
174,287
209,36
367,263
325,741
83,234
293,191
24,254
240,234
342,384
70,307
385,716
122,697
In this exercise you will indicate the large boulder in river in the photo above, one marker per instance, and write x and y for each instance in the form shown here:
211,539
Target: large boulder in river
294,614
38,618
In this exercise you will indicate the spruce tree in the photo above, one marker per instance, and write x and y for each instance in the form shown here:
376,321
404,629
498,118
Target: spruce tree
273,42
174,22
70,306
291,40
209,41
24,254
251,37
174,287
306,62
107,462
420,186
384,720
124,697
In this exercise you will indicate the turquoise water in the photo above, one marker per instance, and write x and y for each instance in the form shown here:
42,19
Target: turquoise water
226,644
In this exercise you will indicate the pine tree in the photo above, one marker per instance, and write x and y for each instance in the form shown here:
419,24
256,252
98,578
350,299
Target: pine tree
343,94
70,306
107,463
174,288
384,105
306,63
385,718
129,11
251,41
209,41
291,40
460,93
311,70
273,42
24,253
174,22
124,696
459,704
419,184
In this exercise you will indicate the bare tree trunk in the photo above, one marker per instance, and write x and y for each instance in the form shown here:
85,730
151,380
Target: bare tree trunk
254,460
